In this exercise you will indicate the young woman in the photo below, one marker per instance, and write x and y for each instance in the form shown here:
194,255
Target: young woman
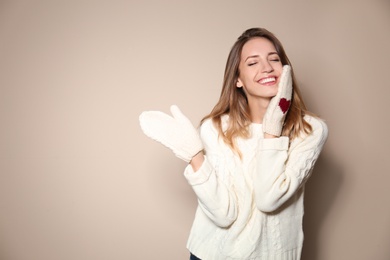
251,158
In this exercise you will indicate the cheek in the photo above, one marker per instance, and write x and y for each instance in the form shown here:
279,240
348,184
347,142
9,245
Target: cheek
279,70
248,73
279,67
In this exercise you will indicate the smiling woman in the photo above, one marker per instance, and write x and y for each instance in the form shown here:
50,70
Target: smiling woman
251,159
260,70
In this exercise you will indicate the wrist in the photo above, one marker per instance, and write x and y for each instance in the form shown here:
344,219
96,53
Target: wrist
197,161
268,136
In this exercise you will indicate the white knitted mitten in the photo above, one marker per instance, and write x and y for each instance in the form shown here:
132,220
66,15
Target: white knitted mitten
177,132
277,109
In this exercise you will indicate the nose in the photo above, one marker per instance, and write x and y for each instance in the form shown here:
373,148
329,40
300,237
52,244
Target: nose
266,67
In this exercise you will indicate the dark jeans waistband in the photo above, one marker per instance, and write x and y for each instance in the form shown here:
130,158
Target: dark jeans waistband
193,257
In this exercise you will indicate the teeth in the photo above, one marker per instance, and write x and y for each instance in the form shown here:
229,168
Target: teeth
267,80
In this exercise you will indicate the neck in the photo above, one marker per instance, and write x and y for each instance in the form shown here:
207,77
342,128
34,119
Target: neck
257,109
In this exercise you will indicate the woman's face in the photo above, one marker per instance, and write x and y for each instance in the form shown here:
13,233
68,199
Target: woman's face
259,69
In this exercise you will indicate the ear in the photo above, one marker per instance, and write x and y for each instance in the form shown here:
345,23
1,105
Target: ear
239,83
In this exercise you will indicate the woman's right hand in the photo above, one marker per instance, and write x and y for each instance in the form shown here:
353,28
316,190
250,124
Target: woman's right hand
177,132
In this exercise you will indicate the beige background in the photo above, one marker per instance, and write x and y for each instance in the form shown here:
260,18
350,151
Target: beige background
79,180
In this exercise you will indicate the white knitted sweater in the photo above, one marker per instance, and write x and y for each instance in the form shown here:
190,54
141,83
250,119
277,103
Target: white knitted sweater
252,208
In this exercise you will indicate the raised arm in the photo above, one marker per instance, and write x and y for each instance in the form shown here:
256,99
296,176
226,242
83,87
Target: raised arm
216,197
281,170
177,133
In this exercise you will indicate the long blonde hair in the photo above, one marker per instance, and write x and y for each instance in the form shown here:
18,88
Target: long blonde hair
233,101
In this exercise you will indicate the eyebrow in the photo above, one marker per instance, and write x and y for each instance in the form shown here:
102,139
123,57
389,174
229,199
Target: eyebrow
256,56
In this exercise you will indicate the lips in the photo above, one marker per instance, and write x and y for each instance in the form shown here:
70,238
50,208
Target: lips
267,80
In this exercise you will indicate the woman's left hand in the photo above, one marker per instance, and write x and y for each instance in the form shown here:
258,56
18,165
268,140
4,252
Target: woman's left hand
279,105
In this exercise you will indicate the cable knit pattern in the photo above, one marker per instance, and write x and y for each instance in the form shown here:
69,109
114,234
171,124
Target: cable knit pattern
252,208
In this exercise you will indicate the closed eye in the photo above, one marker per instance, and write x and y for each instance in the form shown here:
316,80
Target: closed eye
274,58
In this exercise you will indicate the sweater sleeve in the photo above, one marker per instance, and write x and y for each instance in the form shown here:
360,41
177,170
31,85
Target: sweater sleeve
280,171
216,199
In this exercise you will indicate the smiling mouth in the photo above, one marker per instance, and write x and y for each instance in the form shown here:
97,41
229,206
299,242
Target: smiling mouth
267,80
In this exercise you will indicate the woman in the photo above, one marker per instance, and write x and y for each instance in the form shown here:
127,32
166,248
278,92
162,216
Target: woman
252,156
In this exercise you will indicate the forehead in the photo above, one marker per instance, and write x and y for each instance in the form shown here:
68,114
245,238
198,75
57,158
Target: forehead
258,46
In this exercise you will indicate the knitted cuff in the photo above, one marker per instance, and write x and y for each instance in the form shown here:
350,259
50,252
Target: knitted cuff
273,128
201,175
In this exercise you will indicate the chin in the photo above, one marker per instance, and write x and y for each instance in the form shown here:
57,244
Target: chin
271,94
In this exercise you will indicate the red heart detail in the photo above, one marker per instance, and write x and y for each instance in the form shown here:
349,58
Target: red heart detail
284,105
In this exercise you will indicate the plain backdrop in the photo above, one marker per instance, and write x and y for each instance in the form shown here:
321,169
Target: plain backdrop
80,181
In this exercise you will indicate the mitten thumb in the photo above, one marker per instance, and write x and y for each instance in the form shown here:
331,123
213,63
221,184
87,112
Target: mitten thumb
178,115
